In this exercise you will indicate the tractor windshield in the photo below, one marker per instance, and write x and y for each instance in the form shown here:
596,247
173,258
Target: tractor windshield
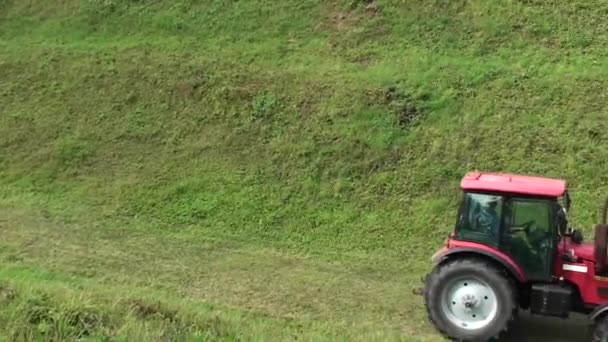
521,226
479,218
529,233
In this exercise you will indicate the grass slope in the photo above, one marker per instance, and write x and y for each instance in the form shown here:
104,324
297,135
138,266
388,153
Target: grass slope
282,168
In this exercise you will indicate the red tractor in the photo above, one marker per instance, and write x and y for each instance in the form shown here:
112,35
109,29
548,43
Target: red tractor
512,248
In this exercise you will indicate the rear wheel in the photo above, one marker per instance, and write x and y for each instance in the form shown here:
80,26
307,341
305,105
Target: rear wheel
469,299
600,330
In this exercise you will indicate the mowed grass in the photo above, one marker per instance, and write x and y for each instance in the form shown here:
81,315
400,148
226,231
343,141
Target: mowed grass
252,293
271,170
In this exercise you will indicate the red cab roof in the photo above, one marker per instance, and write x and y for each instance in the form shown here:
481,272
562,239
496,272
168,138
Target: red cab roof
520,184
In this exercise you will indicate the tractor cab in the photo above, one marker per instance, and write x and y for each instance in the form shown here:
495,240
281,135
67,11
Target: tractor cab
513,248
523,217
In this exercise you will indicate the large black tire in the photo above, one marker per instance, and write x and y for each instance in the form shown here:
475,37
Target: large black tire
600,330
485,271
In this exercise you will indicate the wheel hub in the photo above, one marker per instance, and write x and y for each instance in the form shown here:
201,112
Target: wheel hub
469,303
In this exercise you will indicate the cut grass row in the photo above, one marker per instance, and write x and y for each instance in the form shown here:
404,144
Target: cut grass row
262,294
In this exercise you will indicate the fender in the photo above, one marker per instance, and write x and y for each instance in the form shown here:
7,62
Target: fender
464,247
598,312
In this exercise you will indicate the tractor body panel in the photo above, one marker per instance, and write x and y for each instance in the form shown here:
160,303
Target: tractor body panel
455,248
580,271
511,183
583,250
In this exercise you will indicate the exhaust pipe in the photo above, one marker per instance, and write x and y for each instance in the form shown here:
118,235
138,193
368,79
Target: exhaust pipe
601,243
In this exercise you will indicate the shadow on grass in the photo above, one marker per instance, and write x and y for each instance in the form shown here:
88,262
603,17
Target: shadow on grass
535,328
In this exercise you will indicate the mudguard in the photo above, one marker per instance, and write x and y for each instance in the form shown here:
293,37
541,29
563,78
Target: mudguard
486,251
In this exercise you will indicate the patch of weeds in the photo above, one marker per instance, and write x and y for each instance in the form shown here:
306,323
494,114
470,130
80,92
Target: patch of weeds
216,327
189,210
7,293
41,318
176,326
369,5
173,24
84,321
145,310
187,88
264,105
37,310
403,105
72,152
4,5
97,10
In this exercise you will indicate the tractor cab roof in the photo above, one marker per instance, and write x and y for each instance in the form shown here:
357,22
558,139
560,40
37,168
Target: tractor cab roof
512,183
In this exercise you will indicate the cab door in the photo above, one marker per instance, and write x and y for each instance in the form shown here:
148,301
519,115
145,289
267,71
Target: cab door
528,235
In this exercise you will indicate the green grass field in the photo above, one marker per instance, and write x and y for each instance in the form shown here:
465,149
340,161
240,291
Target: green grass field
272,170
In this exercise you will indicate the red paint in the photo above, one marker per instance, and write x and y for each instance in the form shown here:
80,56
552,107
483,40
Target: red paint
483,248
584,250
587,283
512,183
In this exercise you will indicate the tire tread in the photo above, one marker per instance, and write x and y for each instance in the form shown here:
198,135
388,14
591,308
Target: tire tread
600,330
432,280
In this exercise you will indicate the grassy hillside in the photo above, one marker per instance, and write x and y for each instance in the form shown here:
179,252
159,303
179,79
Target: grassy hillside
271,169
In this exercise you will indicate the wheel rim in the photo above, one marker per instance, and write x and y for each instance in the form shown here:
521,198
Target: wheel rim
469,303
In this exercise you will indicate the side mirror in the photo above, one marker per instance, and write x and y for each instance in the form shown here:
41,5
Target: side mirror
562,223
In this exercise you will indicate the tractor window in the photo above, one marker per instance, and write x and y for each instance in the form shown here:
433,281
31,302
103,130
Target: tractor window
528,235
479,218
